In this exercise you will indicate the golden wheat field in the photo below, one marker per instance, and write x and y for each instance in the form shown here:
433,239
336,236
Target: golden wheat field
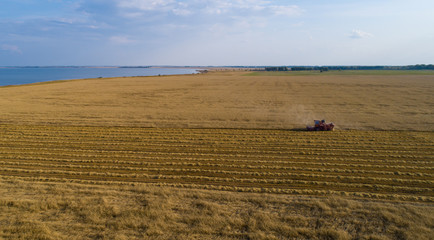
220,155
228,100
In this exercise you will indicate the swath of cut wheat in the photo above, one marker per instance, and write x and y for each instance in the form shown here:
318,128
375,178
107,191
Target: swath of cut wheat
373,164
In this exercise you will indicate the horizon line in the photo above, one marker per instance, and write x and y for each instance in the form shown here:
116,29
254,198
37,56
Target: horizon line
201,66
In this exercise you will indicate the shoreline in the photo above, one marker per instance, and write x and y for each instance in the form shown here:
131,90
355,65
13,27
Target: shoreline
17,76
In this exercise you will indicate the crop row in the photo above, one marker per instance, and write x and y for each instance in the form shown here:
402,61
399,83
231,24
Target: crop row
216,139
299,139
359,194
269,182
248,185
266,175
357,163
67,154
256,169
323,157
232,143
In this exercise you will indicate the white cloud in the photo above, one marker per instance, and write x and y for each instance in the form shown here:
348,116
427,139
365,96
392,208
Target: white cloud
298,24
181,12
357,34
252,6
145,5
289,11
140,8
218,7
11,48
162,9
132,14
121,40
182,9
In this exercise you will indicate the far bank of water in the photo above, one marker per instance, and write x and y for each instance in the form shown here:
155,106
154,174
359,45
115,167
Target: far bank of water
26,75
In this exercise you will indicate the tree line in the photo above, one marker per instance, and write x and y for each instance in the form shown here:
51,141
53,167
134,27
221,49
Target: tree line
327,68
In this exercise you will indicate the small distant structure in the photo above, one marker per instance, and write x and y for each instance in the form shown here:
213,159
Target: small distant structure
321,126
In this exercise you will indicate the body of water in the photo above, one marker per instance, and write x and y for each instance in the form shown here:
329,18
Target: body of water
26,75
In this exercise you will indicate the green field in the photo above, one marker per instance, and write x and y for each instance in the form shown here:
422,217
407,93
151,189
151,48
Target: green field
343,73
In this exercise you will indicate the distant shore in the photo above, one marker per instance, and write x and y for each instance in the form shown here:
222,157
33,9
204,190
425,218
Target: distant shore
27,75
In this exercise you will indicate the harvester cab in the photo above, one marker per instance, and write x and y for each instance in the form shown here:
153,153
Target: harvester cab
321,125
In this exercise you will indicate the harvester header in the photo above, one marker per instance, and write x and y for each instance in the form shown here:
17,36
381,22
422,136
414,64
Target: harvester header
321,125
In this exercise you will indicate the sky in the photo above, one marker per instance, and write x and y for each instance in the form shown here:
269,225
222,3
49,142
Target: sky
216,33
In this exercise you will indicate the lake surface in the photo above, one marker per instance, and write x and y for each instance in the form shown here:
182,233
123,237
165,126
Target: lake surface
25,75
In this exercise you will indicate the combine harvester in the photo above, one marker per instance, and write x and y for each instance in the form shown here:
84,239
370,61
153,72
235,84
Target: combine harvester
321,126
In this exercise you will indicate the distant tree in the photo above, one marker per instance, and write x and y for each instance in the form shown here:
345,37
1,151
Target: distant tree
323,69
276,69
302,68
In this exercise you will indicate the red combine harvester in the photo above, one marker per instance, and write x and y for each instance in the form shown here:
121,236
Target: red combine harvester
321,126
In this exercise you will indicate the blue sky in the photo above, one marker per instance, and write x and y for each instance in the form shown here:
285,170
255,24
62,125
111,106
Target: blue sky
218,32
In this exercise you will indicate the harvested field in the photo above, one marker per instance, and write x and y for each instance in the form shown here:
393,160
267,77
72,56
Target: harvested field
219,156
36,210
370,164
